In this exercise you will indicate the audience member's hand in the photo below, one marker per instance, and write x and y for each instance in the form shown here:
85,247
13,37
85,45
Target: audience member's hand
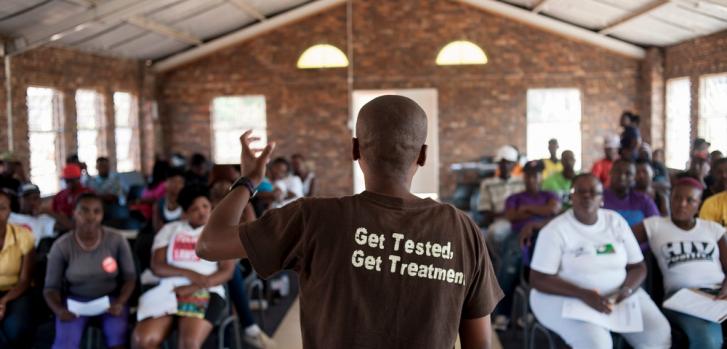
251,166
621,294
722,293
186,291
115,309
526,234
596,301
66,315
199,280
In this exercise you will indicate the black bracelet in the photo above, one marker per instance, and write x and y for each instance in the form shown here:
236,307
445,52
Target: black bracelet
244,182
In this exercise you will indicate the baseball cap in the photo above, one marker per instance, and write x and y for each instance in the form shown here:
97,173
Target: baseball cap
506,152
612,141
29,188
71,171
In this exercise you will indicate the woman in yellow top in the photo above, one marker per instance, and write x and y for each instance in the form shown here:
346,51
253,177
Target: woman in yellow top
17,252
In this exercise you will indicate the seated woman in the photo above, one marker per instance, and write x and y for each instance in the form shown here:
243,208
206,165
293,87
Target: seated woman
590,254
173,255
17,253
674,241
89,263
167,209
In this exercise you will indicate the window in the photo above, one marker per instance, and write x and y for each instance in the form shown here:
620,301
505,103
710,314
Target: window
554,113
126,132
322,56
678,125
713,111
461,53
231,116
90,123
45,127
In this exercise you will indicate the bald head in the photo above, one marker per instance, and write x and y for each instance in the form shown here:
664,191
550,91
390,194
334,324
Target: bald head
391,131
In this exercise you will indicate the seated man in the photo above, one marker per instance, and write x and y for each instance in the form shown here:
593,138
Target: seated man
602,168
718,179
715,209
552,164
287,187
622,198
65,201
377,261
32,216
495,190
560,182
107,185
644,183
301,168
522,209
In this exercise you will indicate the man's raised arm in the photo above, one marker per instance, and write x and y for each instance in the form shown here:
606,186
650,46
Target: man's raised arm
220,239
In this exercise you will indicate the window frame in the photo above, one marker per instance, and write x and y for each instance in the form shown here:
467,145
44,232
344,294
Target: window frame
257,130
58,129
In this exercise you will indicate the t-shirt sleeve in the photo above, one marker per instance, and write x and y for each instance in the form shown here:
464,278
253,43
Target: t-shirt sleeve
484,291
26,240
296,186
548,250
161,239
275,241
56,265
126,261
650,208
650,226
511,203
633,251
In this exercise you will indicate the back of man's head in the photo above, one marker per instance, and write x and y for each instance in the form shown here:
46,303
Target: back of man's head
391,131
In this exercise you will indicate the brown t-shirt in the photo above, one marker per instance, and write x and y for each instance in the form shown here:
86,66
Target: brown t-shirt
376,271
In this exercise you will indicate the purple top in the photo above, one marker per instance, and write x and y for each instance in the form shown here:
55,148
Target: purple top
524,198
635,207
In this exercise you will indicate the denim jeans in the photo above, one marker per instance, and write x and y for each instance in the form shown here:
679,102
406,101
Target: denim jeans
702,334
15,327
239,297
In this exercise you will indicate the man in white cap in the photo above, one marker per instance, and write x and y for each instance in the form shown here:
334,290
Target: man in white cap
602,168
495,190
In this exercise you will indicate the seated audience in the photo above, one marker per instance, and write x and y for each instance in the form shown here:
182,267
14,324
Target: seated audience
17,255
552,164
590,254
622,198
198,172
712,179
288,187
560,182
699,168
602,168
530,206
7,176
700,149
301,168
41,224
495,190
691,254
107,185
89,263
167,209
718,179
65,201
174,256
644,183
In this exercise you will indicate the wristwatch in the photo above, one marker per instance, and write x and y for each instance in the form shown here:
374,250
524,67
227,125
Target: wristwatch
244,182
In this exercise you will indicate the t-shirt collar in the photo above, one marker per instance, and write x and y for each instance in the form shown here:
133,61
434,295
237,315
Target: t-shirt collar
395,202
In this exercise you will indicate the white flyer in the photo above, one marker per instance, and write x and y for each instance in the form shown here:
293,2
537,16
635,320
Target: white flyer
94,307
625,317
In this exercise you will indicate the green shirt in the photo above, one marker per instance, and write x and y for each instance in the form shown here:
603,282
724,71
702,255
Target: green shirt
559,185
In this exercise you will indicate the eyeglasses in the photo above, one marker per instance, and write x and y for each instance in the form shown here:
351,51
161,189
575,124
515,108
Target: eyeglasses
592,192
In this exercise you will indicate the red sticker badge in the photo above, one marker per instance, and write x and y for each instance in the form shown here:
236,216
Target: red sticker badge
109,265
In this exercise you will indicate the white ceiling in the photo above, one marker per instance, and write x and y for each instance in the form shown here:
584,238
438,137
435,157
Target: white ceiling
108,26
156,29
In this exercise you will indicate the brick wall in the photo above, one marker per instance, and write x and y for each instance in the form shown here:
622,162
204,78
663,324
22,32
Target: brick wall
693,58
395,45
651,98
66,71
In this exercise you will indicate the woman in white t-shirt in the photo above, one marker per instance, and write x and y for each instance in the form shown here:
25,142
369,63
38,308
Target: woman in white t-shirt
201,303
590,254
691,253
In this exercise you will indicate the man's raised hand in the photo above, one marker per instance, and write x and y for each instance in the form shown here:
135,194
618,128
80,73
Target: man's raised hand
252,166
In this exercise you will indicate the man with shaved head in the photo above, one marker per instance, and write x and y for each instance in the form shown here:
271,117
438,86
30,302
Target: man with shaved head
381,269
